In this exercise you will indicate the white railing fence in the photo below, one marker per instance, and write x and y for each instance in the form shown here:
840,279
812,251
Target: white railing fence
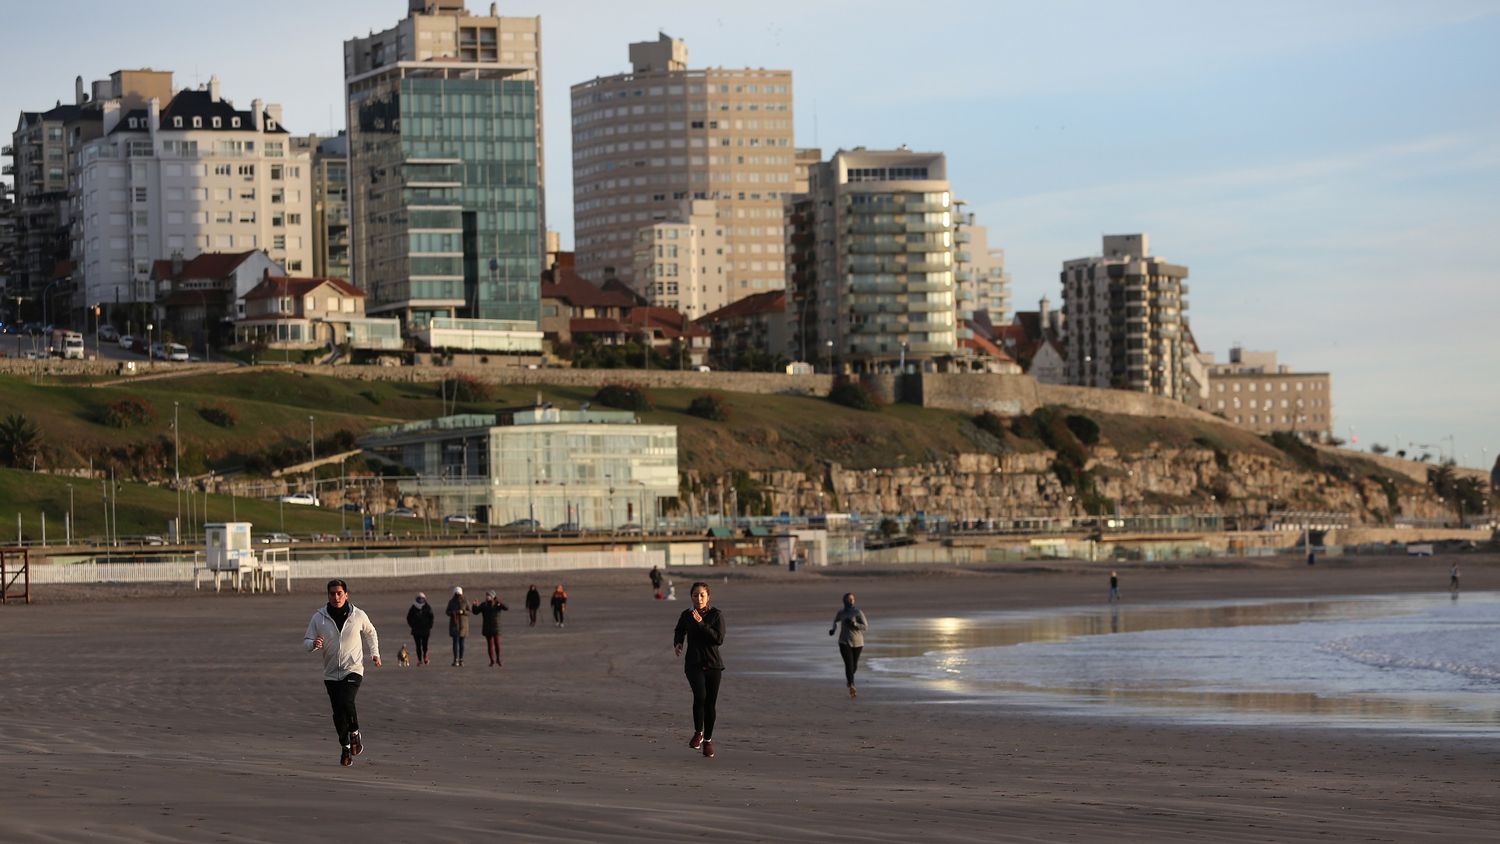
353,569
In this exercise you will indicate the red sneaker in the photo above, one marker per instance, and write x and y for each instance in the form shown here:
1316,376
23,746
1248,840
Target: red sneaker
346,758
356,744
696,741
708,748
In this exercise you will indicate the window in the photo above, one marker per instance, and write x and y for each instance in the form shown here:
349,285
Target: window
294,219
222,170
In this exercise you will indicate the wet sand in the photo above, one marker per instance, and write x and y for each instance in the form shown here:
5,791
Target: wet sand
172,716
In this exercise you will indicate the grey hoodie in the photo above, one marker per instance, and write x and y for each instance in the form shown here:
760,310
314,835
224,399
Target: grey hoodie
851,625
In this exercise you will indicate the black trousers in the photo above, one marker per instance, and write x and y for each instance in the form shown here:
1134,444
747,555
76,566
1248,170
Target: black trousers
705,685
851,661
420,641
341,694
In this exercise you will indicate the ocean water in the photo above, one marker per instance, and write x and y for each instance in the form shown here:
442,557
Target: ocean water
1421,664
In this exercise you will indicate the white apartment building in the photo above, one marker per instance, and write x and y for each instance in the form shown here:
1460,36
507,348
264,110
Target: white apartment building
1125,323
875,260
682,261
648,140
193,175
981,282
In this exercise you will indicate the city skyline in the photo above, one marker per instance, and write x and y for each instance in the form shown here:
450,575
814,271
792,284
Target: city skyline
1326,173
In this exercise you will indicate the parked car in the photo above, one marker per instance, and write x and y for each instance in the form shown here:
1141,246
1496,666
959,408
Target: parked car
351,507
459,519
402,512
152,539
170,351
127,342
108,334
522,526
277,538
565,527
300,498
630,527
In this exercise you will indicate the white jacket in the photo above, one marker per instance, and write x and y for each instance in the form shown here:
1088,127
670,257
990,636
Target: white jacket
343,650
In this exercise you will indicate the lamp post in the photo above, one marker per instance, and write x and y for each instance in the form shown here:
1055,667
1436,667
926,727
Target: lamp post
903,358
70,514
176,471
150,355
828,344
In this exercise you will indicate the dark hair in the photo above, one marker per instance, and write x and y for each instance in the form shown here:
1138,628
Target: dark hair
336,582
848,599
698,583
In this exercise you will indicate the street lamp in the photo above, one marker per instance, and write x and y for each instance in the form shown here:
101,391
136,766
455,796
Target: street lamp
176,472
829,345
150,352
903,357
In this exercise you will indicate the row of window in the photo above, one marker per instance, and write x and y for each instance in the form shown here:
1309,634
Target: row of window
1252,386
1272,419
1270,404
640,199
678,90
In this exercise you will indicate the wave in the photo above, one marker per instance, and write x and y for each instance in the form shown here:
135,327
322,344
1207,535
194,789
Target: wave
1455,651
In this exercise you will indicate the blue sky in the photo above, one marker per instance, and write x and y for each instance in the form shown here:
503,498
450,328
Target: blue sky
1329,172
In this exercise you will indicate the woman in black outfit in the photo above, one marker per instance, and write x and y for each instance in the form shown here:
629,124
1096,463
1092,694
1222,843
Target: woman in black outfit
419,619
701,627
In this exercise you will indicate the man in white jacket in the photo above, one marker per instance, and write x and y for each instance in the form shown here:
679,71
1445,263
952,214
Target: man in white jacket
344,634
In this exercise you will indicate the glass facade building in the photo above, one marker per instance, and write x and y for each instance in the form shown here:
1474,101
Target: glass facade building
447,189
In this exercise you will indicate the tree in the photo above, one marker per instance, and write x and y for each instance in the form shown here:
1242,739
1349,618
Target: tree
20,441
1377,448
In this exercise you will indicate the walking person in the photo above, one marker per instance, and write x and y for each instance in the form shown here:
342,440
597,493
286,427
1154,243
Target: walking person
850,624
533,603
1453,578
490,609
419,618
458,623
345,635
656,582
701,629
1114,586
559,602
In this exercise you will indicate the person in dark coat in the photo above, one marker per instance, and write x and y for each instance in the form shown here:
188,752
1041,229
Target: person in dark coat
559,605
533,603
490,609
458,623
419,619
656,581
698,635
850,624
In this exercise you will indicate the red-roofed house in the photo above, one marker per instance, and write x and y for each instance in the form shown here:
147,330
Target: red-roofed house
988,356
671,331
753,326
567,296
1035,342
305,313
195,298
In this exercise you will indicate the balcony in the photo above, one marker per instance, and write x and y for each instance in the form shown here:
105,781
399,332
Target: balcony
7,150
962,237
8,170
877,228
865,247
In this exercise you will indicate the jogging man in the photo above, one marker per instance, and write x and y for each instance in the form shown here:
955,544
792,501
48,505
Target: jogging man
345,635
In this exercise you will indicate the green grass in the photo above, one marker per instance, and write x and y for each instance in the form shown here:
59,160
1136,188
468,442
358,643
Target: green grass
140,509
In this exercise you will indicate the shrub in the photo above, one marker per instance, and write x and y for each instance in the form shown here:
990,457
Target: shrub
1084,428
1025,427
218,414
371,396
991,424
466,389
709,407
853,394
625,396
128,411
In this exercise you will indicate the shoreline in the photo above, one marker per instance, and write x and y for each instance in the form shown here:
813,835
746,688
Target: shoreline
155,717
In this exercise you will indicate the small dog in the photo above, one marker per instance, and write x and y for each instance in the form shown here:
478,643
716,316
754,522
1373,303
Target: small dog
403,658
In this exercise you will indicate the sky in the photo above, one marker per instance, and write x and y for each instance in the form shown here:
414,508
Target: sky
1329,172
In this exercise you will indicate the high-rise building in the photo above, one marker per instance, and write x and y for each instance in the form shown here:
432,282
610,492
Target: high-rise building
45,165
445,166
330,203
681,260
873,243
191,175
1125,315
981,282
646,141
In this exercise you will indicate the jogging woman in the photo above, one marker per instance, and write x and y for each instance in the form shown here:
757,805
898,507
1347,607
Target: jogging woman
701,629
851,625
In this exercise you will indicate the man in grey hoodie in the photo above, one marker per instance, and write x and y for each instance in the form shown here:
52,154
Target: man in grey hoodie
344,634
851,625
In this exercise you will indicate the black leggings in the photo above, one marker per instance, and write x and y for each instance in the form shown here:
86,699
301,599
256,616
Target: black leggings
705,683
458,648
341,694
420,641
557,613
851,661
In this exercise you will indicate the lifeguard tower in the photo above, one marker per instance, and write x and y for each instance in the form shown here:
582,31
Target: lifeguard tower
229,555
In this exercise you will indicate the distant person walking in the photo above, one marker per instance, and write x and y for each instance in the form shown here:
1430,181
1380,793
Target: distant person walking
656,582
533,603
458,623
850,624
345,635
1453,578
559,604
1114,586
419,619
701,629
490,608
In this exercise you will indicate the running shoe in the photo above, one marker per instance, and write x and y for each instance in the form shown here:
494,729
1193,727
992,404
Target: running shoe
708,748
696,741
356,744
346,758
853,692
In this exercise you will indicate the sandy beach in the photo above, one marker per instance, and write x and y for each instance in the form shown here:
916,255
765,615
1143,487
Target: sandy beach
164,715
